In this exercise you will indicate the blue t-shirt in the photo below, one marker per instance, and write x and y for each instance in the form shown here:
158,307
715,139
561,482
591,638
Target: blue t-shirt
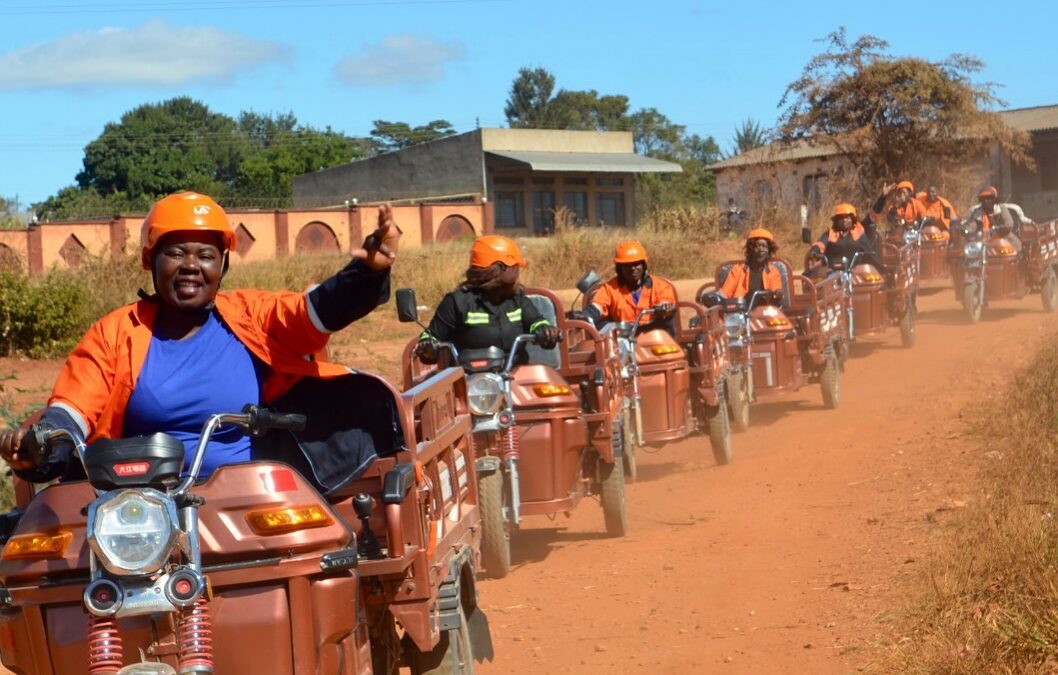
183,382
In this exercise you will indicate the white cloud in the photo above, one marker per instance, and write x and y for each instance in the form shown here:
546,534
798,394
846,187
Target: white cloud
399,59
153,54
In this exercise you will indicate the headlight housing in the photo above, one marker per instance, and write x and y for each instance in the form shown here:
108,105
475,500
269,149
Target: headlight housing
132,531
973,251
484,393
735,326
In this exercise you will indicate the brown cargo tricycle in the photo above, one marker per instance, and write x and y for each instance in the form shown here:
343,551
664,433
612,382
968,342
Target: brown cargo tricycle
143,570
987,266
781,341
675,376
930,237
542,442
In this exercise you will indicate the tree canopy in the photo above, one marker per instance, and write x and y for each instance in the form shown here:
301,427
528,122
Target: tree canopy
894,117
390,136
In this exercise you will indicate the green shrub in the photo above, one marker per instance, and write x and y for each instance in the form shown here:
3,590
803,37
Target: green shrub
41,317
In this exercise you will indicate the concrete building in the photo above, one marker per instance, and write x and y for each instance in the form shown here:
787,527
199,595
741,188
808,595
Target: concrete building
522,175
783,177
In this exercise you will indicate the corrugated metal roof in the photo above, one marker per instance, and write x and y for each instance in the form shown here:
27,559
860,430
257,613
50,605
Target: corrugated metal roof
1039,118
603,162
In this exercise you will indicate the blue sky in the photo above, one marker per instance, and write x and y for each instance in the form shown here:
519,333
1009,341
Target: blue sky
68,67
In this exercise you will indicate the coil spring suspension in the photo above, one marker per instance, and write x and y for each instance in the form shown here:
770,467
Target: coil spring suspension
105,651
195,635
510,444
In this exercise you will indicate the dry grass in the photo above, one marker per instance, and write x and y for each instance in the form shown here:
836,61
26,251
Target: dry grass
988,602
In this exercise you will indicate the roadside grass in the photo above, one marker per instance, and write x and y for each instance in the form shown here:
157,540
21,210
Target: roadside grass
987,602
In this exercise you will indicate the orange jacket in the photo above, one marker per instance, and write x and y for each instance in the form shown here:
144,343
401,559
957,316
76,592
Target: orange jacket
909,212
736,285
940,210
99,375
616,304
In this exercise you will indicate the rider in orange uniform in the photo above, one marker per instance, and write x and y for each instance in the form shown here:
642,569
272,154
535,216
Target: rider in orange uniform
758,272
904,208
936,207
632,290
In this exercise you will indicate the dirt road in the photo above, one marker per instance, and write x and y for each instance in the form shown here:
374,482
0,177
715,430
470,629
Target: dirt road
782,561
778,563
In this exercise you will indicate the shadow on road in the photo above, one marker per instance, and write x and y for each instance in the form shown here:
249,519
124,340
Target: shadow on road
766,413
533,546
647,473
955,316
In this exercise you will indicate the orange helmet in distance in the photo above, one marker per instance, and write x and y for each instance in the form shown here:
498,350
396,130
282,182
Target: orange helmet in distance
844,210
493,248
760,233
184,212
629,252
906,184
988,192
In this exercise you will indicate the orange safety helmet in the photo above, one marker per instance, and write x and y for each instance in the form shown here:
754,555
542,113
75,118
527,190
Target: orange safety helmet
184,212
629,252
906,184
493,248
988,192
760,233
844,210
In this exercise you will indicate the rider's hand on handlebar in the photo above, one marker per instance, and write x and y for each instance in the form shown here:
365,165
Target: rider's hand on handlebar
774,297
547,336
427,351
379,249
664,308
9,442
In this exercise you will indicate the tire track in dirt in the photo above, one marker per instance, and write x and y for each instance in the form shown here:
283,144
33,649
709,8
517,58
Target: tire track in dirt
780,562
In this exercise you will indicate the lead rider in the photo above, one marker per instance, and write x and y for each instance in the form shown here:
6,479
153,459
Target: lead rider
166,362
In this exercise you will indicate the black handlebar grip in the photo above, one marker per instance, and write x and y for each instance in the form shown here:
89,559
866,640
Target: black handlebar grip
262,420
35,444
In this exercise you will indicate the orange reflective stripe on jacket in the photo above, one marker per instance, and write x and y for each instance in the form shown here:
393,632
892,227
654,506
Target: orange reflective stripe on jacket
909,212
99,375
737,283
616,303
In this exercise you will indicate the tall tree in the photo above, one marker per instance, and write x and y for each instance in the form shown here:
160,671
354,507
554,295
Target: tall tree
749,135
894,117
528,103
396,135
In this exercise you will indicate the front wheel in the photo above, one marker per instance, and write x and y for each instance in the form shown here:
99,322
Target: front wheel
716,421
1049,290
739,394
453,654
612,495
495,539
623,443
971,301
830,380
907,326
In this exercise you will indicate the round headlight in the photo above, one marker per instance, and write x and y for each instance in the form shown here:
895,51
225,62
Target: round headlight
484,393
132,531
973,249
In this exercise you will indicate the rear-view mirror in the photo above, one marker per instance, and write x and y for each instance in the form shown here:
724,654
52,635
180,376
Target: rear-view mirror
407,307
587,282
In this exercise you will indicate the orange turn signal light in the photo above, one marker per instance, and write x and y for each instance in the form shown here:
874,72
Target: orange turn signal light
1006,250
288,519
550,389
37,545
871,277
775,321
662,350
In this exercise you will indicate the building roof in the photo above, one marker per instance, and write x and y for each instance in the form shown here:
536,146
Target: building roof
613,162
1039,118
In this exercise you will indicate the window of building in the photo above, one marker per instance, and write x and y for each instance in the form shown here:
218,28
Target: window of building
543,212
577,203
510,209
574,180
610,208
543,180
609,181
